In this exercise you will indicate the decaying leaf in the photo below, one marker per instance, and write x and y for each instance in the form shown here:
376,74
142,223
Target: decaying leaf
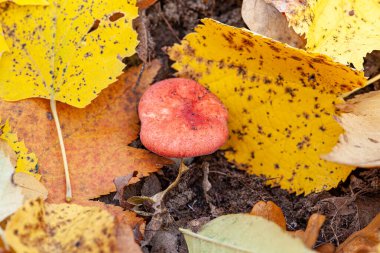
360,144
26,162
269,211
11,197
68,50
265,19
311,233
245,233
343,29
40,227
281,103
97,139
365,240
30,187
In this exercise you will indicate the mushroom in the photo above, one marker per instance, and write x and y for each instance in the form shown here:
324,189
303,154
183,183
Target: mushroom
181,119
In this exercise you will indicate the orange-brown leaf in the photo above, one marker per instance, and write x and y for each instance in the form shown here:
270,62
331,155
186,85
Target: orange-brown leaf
269,211
96,138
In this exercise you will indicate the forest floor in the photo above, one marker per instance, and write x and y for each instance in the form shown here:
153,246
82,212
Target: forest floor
348,208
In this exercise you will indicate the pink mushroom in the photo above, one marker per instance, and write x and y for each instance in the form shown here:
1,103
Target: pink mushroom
180,118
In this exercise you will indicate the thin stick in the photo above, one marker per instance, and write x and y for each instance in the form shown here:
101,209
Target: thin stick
373,79
53,107
182,169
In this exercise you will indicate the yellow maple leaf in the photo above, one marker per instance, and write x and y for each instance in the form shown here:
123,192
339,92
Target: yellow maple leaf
343,29
40,227
280,101
56,51
26,162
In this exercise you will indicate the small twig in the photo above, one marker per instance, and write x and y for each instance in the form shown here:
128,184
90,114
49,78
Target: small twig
140,76
373,79
168,24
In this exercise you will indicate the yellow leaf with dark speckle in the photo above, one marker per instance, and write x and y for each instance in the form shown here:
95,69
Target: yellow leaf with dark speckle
67,51
26,162
343,29
281,103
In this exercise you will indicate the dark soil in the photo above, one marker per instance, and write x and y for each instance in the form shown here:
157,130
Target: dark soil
348,208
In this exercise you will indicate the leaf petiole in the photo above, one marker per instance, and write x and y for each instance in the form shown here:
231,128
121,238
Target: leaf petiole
53,107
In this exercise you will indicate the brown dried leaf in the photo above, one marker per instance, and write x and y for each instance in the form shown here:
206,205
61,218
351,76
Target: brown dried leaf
365,240
265,19
269,211
30,186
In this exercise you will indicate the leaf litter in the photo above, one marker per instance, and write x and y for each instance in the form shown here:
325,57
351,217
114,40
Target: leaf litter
244,191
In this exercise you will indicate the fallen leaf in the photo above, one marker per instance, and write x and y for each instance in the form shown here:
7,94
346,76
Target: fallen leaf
245,233
97,139
365,240
287,5
346,29
83,44
269,211
281,103
3,43
11,197
145,4
26,162
360,144
40,227
265,19
314,224
31,188
326,248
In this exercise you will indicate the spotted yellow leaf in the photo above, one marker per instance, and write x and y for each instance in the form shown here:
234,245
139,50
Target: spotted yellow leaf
3,44
26,162
280,102
343,29
67,51
41,227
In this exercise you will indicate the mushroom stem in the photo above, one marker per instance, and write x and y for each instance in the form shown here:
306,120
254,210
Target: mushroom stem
53,107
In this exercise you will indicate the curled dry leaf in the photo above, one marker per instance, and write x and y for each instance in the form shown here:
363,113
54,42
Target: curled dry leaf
269,211
40,227
265,19
97,140
11,197
30,187
365,240
292,107
360,144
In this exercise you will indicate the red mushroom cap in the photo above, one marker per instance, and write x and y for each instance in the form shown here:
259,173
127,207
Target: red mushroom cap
180,118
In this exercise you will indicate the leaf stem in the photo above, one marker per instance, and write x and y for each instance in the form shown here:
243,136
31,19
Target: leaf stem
53,107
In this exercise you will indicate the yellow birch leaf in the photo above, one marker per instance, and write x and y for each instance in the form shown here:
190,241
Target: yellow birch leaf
67,51
39,227
26,162
3,44
343,29
281,103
